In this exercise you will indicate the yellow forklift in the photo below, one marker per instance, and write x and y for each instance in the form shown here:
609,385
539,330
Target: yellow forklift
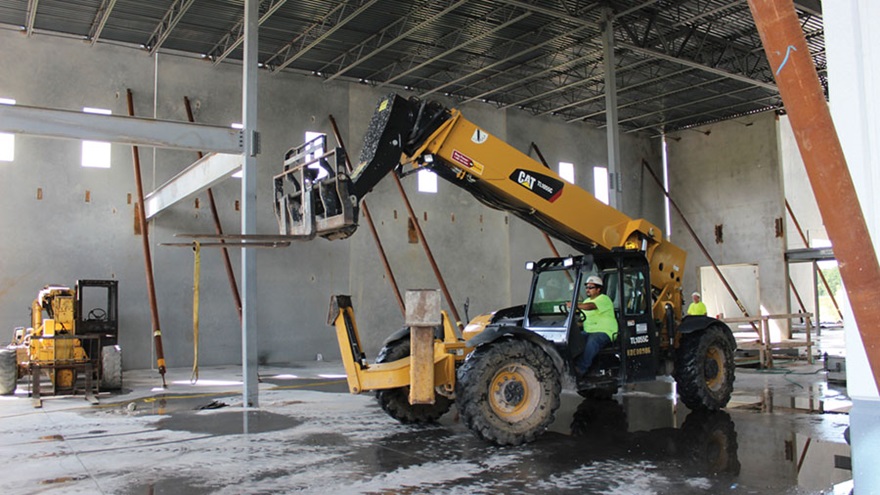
73,338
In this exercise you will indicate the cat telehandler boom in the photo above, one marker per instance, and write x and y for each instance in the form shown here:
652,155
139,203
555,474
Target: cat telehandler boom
505,372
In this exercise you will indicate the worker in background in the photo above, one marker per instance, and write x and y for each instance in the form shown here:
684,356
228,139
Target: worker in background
600,324
698,307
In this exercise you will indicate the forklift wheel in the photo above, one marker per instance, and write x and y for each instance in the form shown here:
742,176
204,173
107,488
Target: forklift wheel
508,391
111,367
704,369
8,371
395,401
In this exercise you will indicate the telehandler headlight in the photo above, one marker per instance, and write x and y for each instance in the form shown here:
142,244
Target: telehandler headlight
530,265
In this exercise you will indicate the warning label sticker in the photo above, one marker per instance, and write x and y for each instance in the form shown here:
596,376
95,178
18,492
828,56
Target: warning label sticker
466,162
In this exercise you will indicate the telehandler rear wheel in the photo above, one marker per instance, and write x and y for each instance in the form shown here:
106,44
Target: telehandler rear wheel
704,369
508,392
395,401
8,371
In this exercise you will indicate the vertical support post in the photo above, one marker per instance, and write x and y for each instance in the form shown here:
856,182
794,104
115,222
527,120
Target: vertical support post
612,130
422,315
249,206
816,295
148,259
809,328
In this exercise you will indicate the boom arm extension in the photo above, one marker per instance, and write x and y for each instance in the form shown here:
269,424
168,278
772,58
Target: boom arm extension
426,134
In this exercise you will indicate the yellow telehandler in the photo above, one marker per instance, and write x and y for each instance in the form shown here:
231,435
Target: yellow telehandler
505,372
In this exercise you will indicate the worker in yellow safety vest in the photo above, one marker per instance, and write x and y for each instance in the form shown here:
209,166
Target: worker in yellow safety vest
600,324
698,307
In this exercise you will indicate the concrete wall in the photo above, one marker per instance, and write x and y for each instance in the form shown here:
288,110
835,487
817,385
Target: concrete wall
729,174
802,201
61,238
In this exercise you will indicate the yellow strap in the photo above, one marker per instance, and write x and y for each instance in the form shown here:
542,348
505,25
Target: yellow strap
197,268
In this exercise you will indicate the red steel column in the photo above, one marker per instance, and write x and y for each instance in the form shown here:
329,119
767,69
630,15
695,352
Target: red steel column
825,163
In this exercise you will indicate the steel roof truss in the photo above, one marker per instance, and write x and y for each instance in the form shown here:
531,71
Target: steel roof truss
318,32
472,39
31,16
235,36
169,21
396,29
100,21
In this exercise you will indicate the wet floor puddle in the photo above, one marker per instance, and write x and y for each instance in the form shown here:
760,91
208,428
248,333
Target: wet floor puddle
233,422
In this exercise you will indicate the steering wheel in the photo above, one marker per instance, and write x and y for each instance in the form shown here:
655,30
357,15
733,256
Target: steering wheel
97,314
564,309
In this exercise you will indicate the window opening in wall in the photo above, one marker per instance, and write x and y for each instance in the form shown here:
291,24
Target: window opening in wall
237,125
666,211
7,141
600,184
566,171
96,153
310,135
427,181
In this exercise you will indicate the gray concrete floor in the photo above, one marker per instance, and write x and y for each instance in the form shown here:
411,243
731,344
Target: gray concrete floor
782,433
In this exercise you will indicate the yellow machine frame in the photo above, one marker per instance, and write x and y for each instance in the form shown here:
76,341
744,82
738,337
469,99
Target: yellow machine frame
363,376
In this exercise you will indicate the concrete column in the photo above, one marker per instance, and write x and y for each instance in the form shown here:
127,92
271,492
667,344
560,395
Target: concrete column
853,49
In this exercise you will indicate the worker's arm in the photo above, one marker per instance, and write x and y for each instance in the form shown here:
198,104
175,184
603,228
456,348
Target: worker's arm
586,305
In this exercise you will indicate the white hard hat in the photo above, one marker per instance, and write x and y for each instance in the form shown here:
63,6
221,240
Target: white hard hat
595,280
695,294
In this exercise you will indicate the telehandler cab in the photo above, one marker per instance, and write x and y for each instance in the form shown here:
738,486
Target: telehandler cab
506,371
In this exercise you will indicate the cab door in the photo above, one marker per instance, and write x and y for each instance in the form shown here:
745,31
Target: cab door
638,338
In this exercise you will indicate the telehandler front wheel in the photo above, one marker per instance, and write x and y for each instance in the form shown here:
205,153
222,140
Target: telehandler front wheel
395,401
704,369
508,392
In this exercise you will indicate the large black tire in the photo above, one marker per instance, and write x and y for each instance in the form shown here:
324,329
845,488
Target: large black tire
710,438
395,401
8,371
704,369
111,367
508,392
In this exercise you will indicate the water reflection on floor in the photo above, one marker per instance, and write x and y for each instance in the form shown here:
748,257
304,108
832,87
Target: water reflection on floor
782,433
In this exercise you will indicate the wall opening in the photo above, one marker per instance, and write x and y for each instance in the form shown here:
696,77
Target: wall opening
7,141
311,135
566,171
427,181
600,184
96,154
